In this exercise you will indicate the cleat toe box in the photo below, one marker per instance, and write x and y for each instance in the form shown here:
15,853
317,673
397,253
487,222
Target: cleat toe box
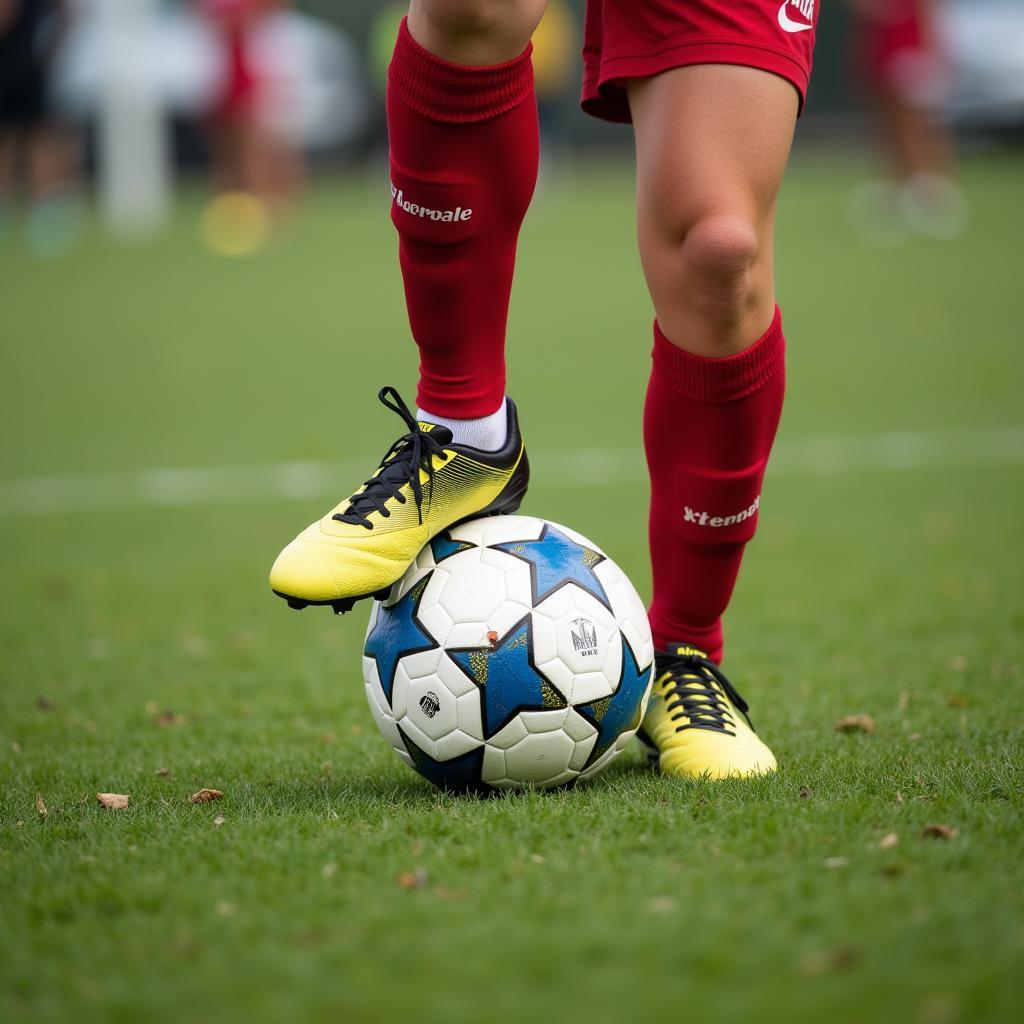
302,573
317,570
718,757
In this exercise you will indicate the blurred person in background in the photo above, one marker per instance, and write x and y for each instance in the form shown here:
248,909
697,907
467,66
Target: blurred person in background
555,45
381,43
901,63
713,89
34,147
257,169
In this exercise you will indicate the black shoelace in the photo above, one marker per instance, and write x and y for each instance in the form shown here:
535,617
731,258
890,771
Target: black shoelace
401,465
696,692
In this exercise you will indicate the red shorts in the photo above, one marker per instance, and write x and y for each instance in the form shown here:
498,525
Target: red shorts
627,39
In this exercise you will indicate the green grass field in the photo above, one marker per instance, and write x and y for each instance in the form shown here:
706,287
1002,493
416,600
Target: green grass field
888,579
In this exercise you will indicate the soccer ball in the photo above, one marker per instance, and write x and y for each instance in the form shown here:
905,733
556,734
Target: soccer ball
512,653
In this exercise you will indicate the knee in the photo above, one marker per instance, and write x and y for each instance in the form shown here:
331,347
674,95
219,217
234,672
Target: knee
718,252
482,25
710,278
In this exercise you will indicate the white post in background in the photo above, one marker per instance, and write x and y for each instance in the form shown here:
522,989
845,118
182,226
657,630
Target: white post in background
133,151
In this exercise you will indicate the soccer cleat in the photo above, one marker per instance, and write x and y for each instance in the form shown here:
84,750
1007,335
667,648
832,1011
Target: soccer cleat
696,723
423,485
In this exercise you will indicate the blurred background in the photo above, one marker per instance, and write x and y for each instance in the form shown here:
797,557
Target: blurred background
113,106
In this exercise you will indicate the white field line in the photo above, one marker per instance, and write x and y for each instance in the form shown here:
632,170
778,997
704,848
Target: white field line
587,467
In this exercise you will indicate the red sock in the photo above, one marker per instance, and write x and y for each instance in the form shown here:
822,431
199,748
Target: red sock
708,429
463,168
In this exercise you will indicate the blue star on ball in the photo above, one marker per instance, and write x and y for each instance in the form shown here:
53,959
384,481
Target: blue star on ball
555,561
396,633
459,775
613,715
444,547
507,677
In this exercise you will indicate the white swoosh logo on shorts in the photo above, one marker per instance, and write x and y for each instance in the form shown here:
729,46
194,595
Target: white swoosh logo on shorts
788,24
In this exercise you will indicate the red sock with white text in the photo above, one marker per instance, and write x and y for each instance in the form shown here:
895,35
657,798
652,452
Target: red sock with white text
709,425
464,155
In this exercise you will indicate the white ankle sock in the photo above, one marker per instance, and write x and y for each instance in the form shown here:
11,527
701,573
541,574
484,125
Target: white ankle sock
489,433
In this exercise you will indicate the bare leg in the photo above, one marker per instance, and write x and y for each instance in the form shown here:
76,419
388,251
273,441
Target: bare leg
712,143
913,142
474,32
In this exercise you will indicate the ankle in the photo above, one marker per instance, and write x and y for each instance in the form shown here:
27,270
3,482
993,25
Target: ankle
488,433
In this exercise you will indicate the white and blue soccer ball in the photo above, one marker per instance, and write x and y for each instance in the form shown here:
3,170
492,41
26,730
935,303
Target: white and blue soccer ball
512,653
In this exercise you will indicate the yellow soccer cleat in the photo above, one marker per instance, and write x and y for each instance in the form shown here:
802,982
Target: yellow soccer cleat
696,724
424,485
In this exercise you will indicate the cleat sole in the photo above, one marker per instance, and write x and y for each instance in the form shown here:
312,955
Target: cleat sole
340,605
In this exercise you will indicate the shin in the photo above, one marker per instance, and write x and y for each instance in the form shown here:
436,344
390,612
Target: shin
463,140
712,143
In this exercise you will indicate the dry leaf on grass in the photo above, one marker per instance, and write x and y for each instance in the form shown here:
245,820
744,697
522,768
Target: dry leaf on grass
219,820
162,772
831,863
823,961
856,723
45,704
888,841
413,879
40,805
958,702
167,718
806,792
938,831
113,801
205,796
941,1008
449,895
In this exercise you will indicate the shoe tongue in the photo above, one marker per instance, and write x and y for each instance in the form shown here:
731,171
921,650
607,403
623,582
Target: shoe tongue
686,651
442,435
